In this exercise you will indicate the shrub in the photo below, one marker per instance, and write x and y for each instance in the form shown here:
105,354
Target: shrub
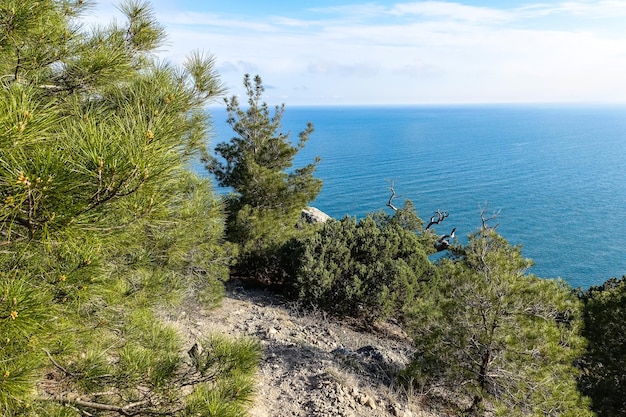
603,378
365,269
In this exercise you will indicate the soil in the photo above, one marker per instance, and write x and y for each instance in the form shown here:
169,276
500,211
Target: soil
313,365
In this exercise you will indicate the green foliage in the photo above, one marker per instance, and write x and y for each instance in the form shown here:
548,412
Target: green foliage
370,269
603,377
229,366
268,193
104,231
23,319
151,354
61,163
505,340
256,162
178,249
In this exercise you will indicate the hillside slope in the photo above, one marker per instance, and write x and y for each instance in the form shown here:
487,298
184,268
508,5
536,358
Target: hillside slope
312,366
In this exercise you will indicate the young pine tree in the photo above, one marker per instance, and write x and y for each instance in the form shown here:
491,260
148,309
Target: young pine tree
268,193
505,340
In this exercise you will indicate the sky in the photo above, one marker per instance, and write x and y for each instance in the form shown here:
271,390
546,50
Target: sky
379,52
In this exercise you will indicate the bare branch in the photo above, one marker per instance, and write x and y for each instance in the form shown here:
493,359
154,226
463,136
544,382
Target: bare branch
393,195
18,66
437,218
65,371
126,410
485,220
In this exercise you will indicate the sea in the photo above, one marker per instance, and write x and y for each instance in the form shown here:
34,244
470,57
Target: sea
554,175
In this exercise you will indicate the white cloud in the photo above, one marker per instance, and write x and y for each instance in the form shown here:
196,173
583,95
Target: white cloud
192,19
359,69
448,10
413,52
586,9
366,10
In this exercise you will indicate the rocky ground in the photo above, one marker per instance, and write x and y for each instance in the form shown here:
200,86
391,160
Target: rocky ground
313,366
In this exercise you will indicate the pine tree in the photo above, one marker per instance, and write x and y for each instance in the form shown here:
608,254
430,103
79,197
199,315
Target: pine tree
102,226
503,339
268,193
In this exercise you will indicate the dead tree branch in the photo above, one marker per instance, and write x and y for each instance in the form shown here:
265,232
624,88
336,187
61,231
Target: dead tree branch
126,410
485,220
393,195
55,363
437,218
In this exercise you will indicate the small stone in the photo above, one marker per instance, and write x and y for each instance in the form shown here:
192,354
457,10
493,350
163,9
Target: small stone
399,412
272,330
288,324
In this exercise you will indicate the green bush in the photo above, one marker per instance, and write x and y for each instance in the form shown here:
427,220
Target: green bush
24,317
368,269
260,252
603,377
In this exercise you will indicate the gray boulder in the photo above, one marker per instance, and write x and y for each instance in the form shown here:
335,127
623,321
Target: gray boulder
313,215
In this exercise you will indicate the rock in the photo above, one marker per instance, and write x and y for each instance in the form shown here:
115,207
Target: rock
371,403
313,215
287,323
367,401
398,411
370,352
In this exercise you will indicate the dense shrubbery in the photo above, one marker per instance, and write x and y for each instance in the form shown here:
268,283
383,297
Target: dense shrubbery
604,364
369,269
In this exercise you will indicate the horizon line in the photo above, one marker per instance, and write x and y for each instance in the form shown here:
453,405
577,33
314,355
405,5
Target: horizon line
451,104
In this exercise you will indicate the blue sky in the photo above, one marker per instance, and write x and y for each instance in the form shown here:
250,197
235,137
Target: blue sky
330,52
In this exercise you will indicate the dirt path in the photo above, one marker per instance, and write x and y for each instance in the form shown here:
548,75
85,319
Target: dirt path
312,366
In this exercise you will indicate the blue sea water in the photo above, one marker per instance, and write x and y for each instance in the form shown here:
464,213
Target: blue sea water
556,174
